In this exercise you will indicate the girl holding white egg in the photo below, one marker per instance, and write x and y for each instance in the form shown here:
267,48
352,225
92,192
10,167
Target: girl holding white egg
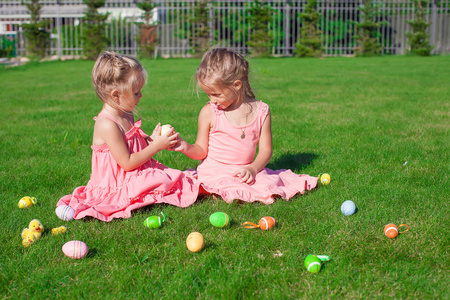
124,175
231,126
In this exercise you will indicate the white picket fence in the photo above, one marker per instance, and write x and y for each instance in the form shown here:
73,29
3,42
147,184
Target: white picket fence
227,19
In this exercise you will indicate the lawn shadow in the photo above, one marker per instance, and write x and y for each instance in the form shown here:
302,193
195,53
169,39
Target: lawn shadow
293,161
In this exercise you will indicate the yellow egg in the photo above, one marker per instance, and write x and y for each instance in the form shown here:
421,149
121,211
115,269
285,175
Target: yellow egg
165,129
195,242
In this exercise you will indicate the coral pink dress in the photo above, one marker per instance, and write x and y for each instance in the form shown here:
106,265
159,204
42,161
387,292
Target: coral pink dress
227,153
113,193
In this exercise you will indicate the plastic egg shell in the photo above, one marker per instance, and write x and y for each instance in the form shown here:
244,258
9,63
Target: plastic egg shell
65,212
195,242
266,223
26,202
313,263
391,231
75,249
165,129
348,207
219,219
153,222
325,179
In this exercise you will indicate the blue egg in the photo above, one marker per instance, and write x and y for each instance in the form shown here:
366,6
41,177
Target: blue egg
348,207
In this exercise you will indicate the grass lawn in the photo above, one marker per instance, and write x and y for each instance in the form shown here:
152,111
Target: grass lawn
378,126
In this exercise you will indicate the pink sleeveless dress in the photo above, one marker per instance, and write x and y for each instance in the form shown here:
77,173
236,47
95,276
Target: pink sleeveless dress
113,193
227,153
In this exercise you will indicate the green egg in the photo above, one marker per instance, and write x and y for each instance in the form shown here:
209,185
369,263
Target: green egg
153,222
312,263
219,219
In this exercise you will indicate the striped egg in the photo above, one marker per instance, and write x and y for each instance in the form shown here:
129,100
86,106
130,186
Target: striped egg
65,212
75,249
266,223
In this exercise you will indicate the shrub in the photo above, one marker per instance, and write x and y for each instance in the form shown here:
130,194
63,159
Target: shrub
37,38
260,41
94,38
148,32
419,39
309,43
368,31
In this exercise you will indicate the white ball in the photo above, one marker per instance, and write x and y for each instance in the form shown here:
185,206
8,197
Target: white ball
65,212
165,128
348,207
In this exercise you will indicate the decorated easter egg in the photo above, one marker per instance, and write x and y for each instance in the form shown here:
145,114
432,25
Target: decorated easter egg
153,222
219,219
312,263
65,212
266,223
75,249
348,207
195,242
391,230
26,202
165,129
325,179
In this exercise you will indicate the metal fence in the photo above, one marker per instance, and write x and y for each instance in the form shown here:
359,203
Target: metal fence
228,25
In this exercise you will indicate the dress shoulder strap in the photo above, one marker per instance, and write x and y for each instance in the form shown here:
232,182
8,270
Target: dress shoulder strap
216,110
112,119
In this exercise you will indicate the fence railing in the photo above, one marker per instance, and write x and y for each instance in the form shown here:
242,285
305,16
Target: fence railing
228,25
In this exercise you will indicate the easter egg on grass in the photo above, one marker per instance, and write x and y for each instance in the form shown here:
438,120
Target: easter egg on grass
195,242
65,212
391,231
26,202
266,223
348,207
165,129
75,249
325,179
312,263
219,219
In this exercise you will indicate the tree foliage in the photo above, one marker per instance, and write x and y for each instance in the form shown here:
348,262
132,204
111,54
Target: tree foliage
309,43
368,30
148,32
418,39
200,39
260,40
37,38
94,37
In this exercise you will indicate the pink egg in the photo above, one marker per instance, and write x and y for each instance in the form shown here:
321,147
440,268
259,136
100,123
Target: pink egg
75,249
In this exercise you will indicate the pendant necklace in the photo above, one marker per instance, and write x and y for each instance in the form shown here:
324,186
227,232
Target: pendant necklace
243,129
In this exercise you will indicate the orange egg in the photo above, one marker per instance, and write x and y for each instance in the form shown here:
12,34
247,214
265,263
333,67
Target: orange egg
391,231
266,223
195,242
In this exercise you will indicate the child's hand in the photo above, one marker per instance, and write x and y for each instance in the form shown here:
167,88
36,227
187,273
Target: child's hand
180,145
166,141
246,174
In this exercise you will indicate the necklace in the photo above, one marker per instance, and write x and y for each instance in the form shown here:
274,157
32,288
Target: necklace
243,129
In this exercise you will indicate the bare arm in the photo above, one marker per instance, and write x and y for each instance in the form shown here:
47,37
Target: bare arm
248,173
199,149
107,131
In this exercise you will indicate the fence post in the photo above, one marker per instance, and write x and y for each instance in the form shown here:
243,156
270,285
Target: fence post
433,25
58,29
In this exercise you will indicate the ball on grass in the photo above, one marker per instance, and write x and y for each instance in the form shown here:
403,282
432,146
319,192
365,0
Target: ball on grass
348,208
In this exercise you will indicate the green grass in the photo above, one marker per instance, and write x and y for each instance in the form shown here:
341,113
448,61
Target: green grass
359,119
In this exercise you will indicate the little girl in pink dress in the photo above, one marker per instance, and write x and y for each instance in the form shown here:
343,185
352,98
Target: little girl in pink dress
230,128
124,175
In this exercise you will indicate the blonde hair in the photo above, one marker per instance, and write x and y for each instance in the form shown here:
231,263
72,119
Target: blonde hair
115,71
224,67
